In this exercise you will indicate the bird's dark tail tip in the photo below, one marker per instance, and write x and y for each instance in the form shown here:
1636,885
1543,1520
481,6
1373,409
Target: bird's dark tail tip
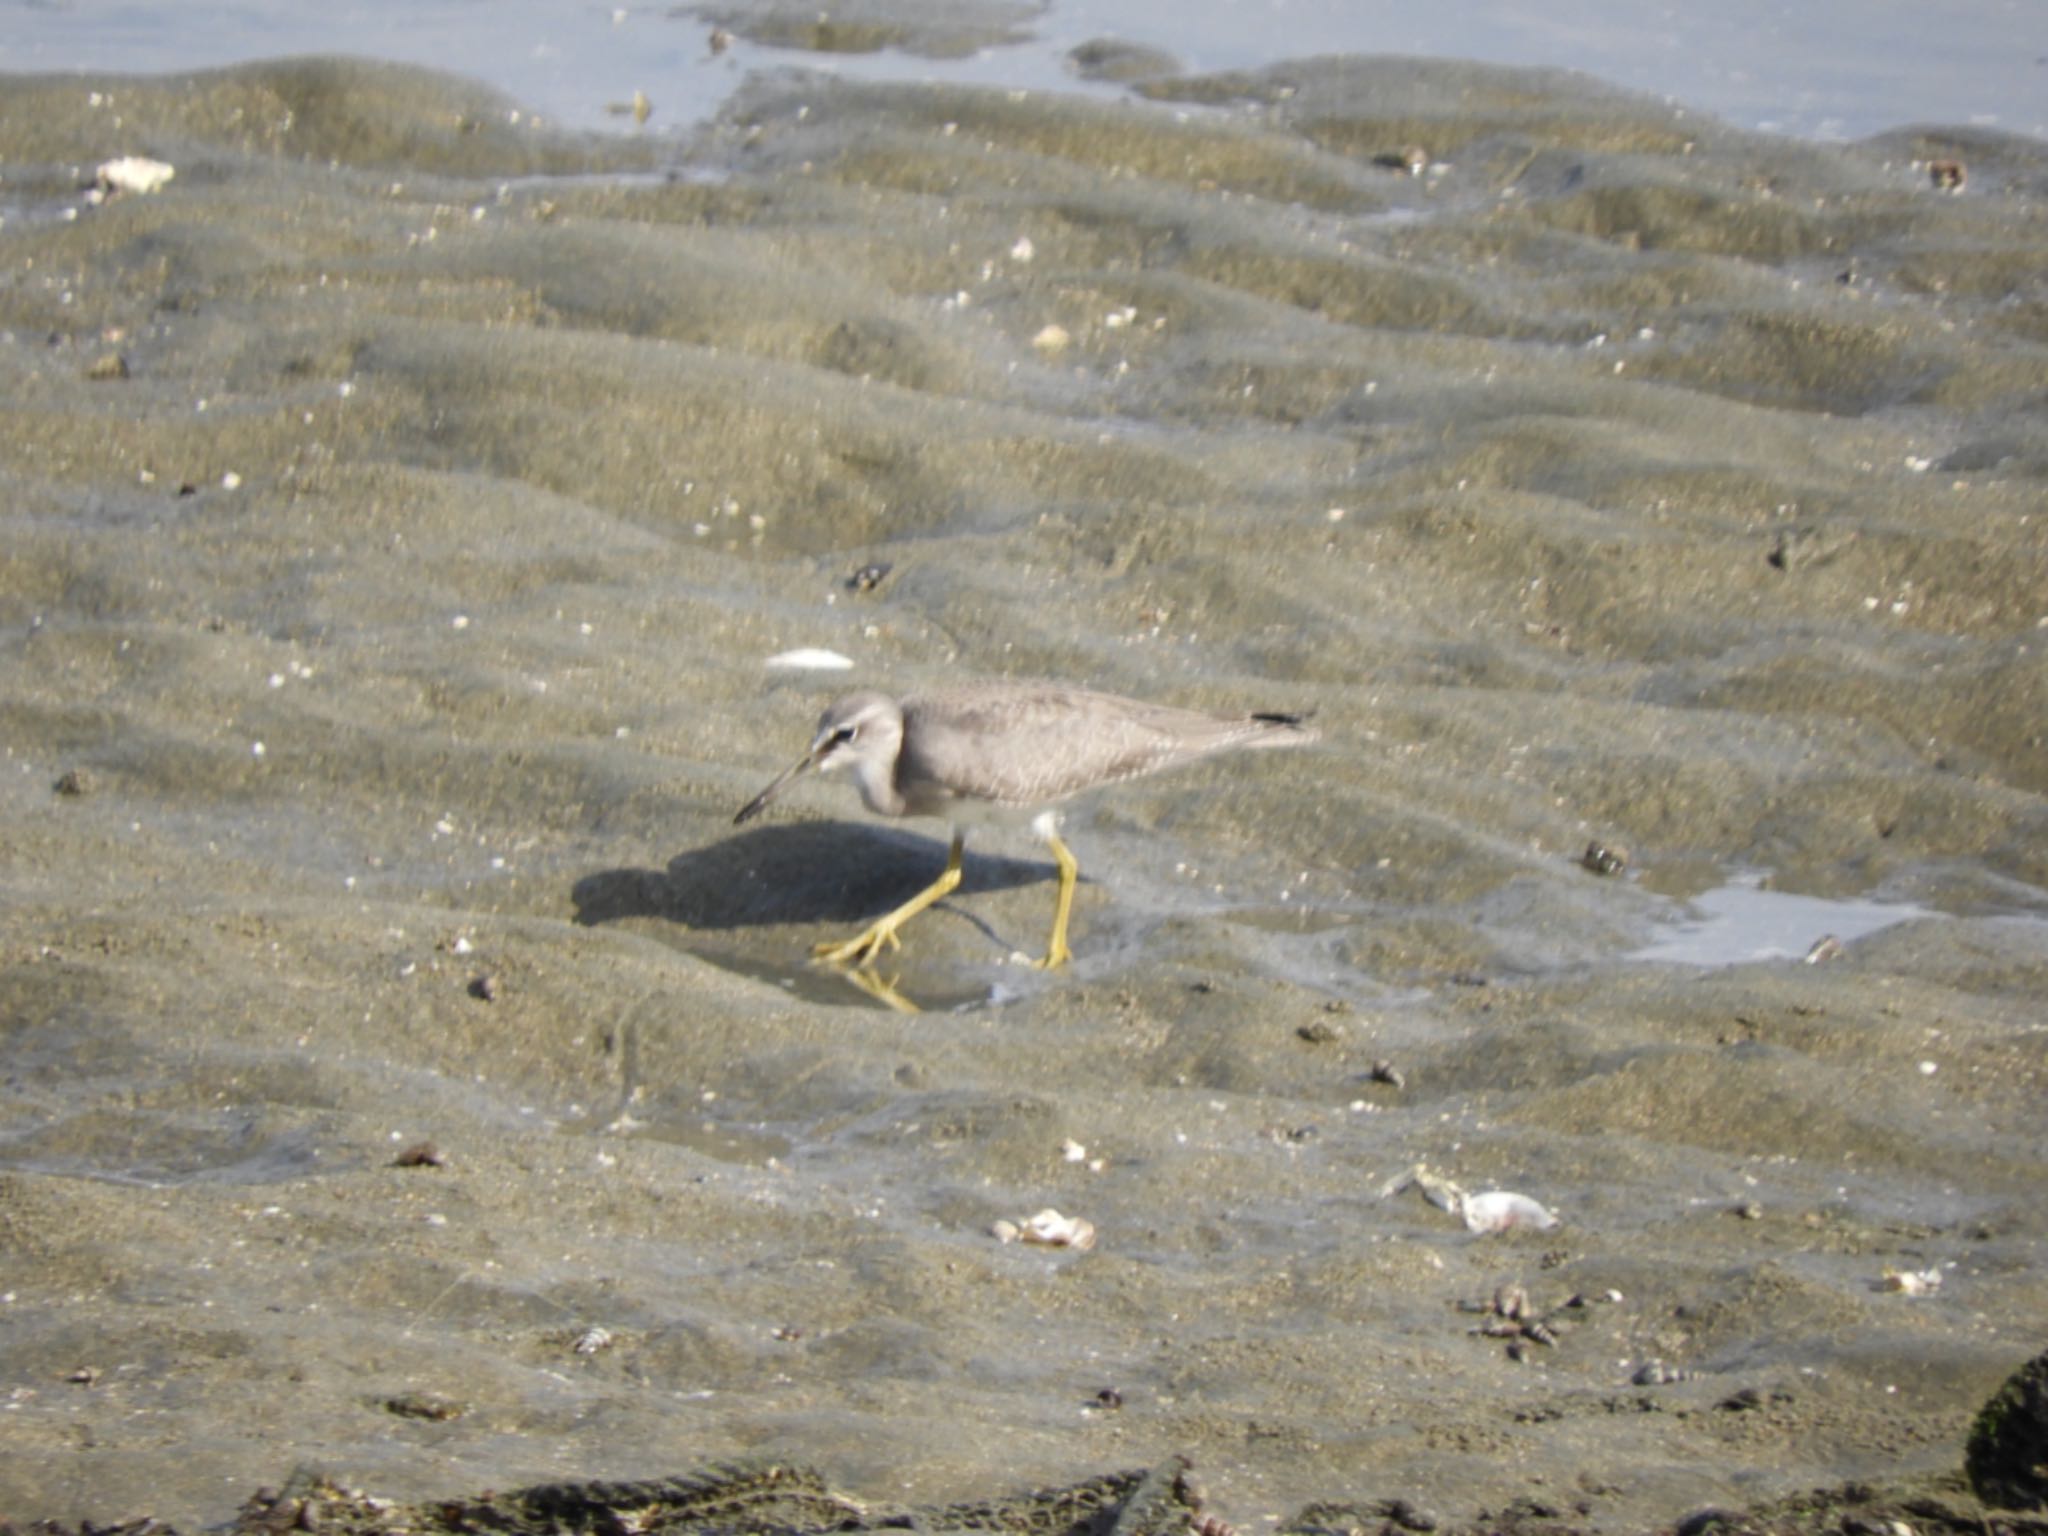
1275,717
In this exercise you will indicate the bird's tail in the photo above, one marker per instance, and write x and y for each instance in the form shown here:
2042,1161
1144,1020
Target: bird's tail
1289,729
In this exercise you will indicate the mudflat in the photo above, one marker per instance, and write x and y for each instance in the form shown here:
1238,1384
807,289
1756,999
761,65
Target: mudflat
411,1073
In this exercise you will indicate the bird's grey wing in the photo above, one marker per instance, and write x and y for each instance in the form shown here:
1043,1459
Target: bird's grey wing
1032,746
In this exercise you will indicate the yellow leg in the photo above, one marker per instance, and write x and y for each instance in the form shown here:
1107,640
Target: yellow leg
1056,952
864,946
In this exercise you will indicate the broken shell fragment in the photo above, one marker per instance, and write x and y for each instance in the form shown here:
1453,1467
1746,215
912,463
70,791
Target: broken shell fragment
1496,1210
1501,1210
1911,1282
1052,1230
809,658
131,173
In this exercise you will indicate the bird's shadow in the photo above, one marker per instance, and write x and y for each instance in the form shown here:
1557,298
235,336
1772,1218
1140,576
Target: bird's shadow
806,872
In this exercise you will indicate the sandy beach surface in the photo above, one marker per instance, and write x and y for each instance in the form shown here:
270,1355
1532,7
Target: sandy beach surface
410,1071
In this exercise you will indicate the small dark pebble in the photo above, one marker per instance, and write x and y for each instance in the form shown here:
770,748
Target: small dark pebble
1109,1397
1407,1516
1386,1072
484,988
110,366
423,1154
1605,858
74,782
1316,1032
424,1405
869,577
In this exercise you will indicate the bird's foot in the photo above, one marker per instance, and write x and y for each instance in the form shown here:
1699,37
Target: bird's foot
863,949
1055,957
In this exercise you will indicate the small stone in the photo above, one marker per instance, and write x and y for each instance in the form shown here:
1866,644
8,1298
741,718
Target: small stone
424,1405
108,366
484,988
74,783
869,577
1604,858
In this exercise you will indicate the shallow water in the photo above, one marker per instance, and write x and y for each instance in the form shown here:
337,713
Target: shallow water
1620,478
1829,69
1742,921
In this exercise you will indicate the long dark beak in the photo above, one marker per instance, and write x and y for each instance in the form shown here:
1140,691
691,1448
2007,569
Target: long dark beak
755,806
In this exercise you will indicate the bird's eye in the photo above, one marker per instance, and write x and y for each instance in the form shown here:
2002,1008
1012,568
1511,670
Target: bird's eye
843,735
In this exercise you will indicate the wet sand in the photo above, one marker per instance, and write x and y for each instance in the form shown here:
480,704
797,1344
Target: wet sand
401,505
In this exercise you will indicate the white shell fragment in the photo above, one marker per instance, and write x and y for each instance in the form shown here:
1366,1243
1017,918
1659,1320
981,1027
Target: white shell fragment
132,173
1052,1230
1501,1210
1495,1210
810,659
1911,1282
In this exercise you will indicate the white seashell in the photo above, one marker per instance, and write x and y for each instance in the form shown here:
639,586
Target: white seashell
811,659
132,173
1053,1230
1912,1282
1053,339
591,1340
1500,1210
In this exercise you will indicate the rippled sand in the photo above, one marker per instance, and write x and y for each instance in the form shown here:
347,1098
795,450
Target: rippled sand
400,505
